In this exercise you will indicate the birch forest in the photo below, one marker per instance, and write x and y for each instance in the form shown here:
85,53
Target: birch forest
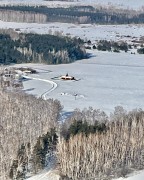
23,119
20,16
113,152
88,145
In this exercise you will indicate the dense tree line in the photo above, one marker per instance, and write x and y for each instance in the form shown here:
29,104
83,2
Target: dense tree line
86,122
104,154
24,123
8,52
33,161
22,16
140,50
104,45
81,14
48,49
78,127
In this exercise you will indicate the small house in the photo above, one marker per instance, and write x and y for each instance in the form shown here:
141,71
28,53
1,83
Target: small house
67,77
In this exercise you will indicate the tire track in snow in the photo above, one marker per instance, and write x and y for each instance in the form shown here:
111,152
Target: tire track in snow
53,84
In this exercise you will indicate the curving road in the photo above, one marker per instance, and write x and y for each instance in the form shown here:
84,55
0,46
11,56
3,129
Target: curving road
53,84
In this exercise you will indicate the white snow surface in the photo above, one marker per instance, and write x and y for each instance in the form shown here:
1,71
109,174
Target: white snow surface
47,176
137,176
46,92
106,80
126,4
85,31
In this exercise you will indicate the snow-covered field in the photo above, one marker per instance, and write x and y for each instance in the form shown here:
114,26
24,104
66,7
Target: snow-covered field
106,80
130,4
84,31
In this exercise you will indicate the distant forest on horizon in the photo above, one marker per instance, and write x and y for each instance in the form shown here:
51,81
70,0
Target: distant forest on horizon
76,14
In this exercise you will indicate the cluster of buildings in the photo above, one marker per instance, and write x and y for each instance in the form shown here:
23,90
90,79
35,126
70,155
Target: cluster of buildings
9,78
13,77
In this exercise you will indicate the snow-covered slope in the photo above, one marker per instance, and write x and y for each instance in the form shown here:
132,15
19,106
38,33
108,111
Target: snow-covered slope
138,176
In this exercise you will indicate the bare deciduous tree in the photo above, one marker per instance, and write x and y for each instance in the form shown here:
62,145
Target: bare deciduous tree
23,118
108,154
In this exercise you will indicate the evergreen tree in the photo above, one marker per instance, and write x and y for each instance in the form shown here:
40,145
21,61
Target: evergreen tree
19,167
44,145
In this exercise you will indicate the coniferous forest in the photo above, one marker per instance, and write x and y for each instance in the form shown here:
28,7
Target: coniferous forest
36,48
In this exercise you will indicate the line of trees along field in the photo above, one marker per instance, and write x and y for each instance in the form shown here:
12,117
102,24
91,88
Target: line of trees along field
50,49
77,14
104,45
